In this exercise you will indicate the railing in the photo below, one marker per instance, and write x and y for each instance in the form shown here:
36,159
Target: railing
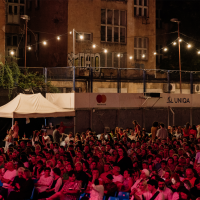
119,76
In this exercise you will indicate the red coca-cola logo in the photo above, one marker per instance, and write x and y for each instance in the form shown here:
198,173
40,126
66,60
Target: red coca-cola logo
101,98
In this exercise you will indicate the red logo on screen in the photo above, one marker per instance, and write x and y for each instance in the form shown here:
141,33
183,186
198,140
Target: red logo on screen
101,98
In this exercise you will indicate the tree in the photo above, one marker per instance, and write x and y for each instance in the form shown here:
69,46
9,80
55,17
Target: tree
11,77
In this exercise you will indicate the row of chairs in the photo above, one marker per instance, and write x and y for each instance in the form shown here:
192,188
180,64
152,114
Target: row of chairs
120,196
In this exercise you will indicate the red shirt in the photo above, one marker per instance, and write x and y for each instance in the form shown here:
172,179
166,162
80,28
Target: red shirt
193,132
186,134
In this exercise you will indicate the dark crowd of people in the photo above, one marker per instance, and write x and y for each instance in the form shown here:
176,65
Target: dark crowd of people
161,165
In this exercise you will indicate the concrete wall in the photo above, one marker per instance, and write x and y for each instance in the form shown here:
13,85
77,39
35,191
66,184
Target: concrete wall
98,119
2,30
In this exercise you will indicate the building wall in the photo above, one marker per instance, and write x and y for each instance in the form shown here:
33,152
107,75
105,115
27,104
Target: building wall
2,30
85,16
47,21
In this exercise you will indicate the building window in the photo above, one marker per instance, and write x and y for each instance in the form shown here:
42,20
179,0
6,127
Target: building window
37,4
141,8
158,19
22,1
21,10
8,40
10,10
113,59
29,4
86,36
15,10
10,1
140,48
15,40
15,1
113,26
159,54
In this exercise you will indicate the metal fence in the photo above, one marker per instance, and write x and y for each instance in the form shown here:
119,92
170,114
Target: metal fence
91,75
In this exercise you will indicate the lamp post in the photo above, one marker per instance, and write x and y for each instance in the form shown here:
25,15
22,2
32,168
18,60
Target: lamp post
74,40
179,49
26,18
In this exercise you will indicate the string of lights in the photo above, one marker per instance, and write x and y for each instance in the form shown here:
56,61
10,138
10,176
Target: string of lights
105,50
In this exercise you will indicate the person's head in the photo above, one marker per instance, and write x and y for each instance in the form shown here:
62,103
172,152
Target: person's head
40,164
27,174
47,171
95,173
162,125
116,170
106,167
93,165
145,165
86,148
56,172
62,150
109,178
22,144
184,194
10,166
20,172
167,175
155,124
143,185
16,122
163,164
189,173
72,176
161,184
127,174
152,185
144,174
78,166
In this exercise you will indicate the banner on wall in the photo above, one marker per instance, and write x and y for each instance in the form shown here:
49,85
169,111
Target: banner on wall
122,100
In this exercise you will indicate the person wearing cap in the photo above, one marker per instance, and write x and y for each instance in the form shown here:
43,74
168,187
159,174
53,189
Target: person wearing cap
110,188
144,176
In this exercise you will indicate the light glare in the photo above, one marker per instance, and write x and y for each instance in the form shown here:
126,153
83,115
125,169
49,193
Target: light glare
81,37
58,38
165,49
94,45
174,43
105,51
131,57
154,53
12,53
189,46
29,48
44,43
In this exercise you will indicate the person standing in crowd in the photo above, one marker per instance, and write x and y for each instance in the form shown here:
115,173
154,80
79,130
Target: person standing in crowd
15,129
8,140
56,135
162,133
154,130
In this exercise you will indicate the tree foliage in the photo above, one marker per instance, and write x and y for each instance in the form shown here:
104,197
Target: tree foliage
11,77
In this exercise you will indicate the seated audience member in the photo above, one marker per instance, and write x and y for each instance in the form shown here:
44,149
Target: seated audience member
70,189
7,179
97,191
45,181
106,171
190,176
80,174
38,170
144,176
23,191
138,192
55,187
117,177
110,188
165,190
127,182
195,191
